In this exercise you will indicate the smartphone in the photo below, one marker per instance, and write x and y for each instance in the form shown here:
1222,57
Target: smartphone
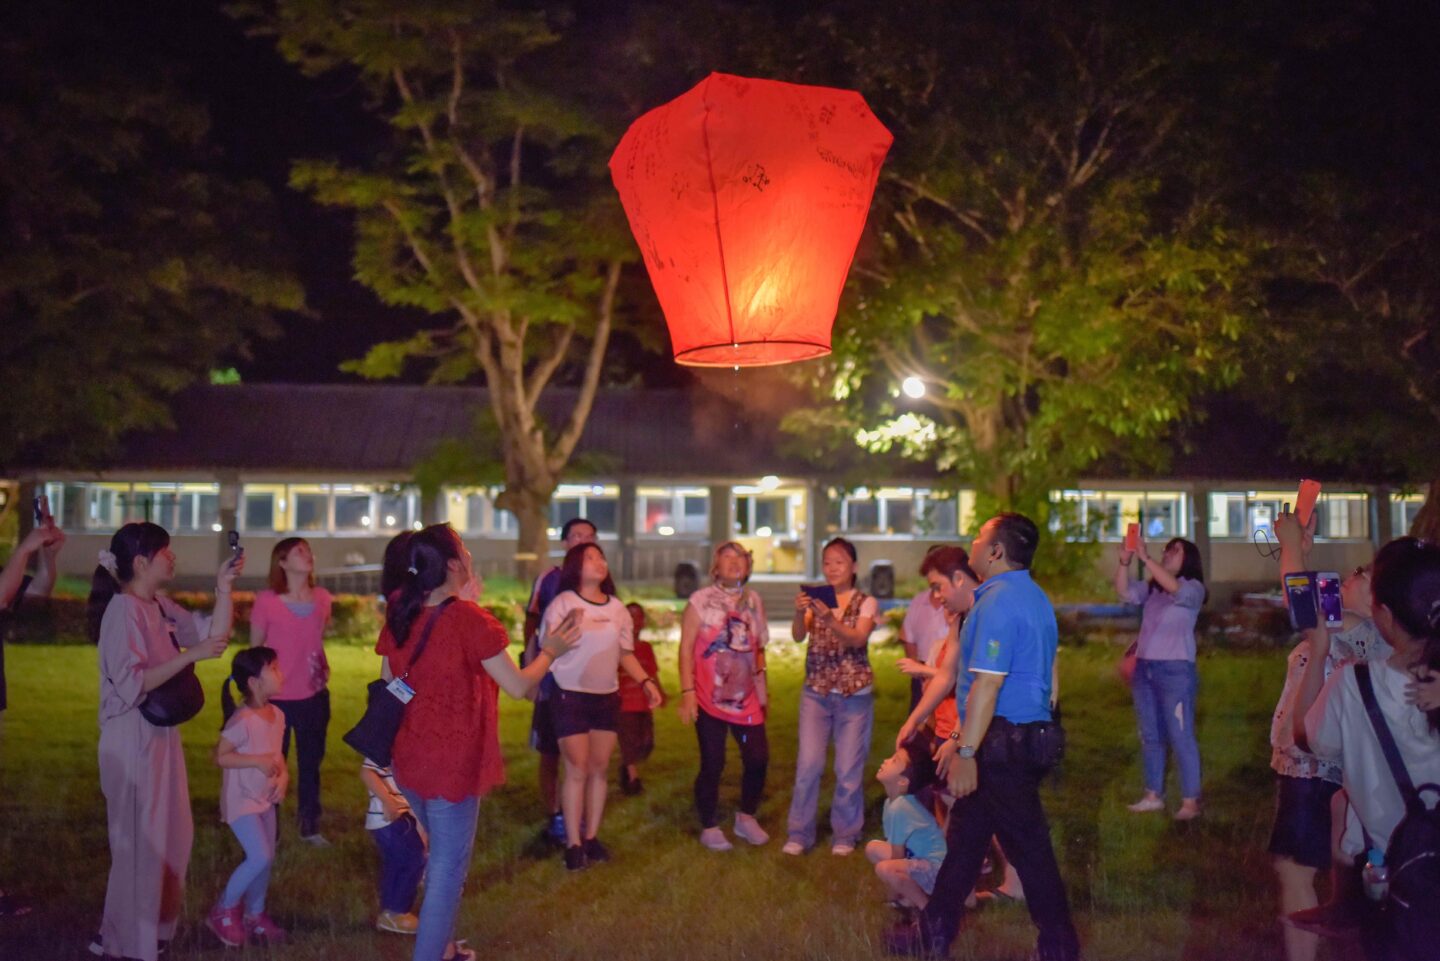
235,549
1327,586
1300,599
1305,500
39,510
1132,537
823,593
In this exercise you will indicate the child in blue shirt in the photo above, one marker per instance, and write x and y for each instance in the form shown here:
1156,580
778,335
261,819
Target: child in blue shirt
909,857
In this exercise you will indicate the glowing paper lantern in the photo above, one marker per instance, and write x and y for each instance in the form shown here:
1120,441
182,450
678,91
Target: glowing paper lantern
747,198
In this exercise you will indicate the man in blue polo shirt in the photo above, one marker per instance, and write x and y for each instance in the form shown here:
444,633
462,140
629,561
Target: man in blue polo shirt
1006,740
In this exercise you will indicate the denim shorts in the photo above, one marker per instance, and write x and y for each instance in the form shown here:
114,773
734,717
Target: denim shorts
1302,820
923,873
579,712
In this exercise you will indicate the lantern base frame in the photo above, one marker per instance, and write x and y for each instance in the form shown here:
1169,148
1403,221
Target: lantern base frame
751,353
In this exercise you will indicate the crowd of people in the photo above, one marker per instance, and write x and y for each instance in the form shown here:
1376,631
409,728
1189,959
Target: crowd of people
962,787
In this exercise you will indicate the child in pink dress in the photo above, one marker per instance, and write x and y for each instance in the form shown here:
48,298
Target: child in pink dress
253,783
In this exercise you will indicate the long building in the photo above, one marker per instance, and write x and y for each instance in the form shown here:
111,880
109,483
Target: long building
662,474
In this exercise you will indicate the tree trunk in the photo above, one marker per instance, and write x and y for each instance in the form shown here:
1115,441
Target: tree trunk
1427,523
531,508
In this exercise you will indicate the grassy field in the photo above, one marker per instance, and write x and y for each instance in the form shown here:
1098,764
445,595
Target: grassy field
1143,887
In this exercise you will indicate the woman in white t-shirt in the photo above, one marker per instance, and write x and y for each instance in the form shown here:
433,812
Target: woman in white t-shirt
1330,716
587,705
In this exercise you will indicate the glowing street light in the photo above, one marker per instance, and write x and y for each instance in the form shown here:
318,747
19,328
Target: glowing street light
913,387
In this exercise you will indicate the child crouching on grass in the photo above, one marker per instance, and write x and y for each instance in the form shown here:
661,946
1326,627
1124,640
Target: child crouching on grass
909,857
252,785
636,722
402,849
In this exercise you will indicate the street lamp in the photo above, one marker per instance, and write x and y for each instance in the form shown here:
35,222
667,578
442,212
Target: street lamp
913,387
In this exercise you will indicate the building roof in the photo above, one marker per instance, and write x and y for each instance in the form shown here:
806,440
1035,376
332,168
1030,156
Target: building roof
703,432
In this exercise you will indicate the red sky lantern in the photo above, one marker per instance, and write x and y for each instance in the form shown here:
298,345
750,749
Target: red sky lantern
747,198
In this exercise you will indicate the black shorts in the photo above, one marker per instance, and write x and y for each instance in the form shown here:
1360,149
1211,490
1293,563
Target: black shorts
1302,820
577,712
637,736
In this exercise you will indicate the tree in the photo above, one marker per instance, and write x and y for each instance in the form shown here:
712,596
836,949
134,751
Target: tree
1050,253
487,205
1350,362
130,264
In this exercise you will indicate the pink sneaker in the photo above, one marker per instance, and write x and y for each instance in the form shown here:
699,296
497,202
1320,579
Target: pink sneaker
225,923
261,928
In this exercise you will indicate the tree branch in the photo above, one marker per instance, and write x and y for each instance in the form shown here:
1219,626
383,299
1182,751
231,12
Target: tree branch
565,444
548,364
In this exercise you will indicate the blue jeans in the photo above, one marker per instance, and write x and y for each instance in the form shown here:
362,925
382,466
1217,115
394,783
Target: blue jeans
402,863
1164,693
847,721
451,827
256,834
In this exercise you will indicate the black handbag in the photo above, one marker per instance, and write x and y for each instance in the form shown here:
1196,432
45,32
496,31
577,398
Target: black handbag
177,700
374,736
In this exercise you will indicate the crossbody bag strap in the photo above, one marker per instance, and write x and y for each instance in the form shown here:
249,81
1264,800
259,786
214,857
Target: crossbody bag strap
1388,746
425,637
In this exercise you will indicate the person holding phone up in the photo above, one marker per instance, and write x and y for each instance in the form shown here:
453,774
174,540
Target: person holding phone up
1165,680
837,703
144,640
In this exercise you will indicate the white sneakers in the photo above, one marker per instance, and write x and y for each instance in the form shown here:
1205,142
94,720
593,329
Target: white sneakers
746,829
793,847
842,849
1146,804
749,829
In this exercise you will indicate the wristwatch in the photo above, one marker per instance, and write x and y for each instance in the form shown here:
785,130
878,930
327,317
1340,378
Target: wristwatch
966,752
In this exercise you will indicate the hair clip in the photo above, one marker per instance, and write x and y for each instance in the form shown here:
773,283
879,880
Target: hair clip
107,560
412,569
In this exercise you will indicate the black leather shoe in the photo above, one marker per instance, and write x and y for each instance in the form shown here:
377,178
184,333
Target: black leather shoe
575,858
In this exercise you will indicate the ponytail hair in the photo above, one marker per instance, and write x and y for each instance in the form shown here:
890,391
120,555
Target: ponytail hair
245,666
397,559
1406,580
426,568
136,539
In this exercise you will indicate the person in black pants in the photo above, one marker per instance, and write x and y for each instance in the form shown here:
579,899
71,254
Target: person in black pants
1006,742
723,634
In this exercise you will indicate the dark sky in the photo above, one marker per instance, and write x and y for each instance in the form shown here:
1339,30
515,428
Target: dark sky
265,115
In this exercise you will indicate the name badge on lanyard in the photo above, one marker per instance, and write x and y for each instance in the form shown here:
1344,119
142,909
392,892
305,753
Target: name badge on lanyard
403,692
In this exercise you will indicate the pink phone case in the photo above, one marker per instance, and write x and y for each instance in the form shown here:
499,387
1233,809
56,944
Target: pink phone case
1305,500
1132,537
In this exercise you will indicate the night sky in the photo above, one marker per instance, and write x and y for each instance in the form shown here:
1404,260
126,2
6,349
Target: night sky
1369,103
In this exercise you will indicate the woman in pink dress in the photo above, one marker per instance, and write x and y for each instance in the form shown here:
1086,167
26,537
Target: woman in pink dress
144,640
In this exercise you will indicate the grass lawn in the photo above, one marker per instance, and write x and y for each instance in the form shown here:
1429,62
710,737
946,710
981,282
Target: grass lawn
1143,887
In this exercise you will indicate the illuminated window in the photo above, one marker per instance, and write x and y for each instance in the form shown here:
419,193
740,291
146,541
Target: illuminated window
1403,510
1244,515
597,503
671,511
1105,515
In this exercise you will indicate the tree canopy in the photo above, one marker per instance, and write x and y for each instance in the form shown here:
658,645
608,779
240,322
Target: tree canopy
130,265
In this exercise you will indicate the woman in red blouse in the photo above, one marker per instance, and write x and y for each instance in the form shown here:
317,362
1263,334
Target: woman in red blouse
447,751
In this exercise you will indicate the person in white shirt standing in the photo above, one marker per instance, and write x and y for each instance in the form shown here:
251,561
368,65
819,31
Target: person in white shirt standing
587,701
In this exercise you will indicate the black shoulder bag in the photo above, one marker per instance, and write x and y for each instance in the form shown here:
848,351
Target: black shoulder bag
1409,925
374,736
178,699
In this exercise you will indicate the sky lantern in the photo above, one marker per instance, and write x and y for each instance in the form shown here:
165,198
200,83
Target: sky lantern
747,198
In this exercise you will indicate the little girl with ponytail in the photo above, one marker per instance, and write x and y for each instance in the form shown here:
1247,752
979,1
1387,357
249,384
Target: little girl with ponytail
253,784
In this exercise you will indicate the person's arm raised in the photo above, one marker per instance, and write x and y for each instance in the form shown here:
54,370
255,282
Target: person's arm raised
518,683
